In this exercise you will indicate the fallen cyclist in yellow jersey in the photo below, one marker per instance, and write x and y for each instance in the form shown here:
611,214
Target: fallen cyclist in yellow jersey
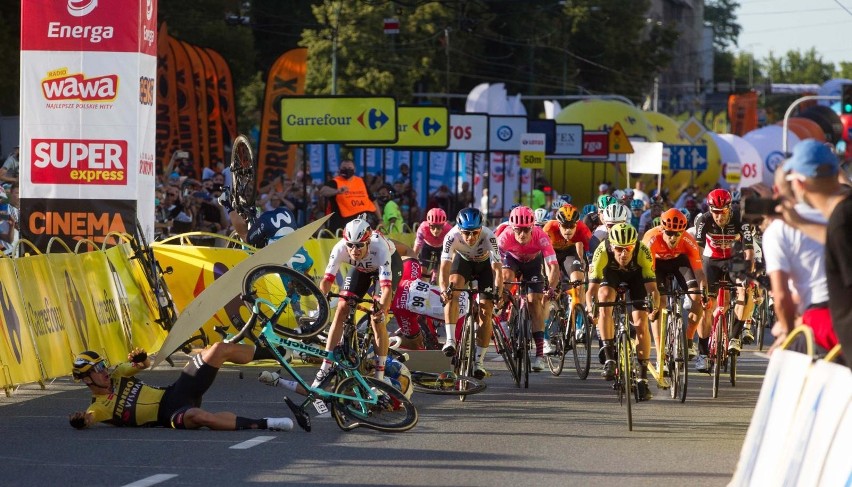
120,399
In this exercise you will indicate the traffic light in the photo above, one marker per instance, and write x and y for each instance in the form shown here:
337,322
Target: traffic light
846,99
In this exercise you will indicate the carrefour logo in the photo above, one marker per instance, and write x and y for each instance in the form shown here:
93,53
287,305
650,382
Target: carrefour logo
504,133
429,126
373,118
80,8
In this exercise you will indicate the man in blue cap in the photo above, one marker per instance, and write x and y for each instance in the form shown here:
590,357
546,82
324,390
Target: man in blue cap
813,172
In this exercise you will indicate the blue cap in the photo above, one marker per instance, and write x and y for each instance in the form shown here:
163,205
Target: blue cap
812,159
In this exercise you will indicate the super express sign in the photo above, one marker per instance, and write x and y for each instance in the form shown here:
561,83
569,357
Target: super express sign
338,119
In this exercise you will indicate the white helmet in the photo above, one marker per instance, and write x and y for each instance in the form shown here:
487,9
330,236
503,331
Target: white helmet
615,213
628,193
357,230
618,194
541,217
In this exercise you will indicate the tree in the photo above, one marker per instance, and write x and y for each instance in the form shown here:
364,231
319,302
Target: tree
10,55
799,67
844,70
721,15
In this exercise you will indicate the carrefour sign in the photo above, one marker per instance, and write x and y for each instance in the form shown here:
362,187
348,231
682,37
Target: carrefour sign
422,128
338,119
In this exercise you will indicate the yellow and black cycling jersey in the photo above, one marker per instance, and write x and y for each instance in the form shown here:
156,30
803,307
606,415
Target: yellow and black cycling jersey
132,403
604,260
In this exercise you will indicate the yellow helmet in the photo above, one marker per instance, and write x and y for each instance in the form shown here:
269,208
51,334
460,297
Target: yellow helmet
623,234
84,362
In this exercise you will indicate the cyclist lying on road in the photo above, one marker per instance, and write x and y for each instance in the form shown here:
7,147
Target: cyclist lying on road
120,399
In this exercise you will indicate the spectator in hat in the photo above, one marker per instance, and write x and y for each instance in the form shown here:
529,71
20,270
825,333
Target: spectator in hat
9,170
813,172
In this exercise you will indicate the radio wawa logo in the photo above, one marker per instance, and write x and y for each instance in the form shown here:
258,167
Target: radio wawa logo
59,86
66,161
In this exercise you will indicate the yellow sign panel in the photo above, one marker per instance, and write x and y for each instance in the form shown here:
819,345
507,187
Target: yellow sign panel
422,127
618,141
338,119
532,151
692,129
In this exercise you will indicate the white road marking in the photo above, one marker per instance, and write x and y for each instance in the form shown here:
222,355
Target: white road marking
152,480
252,442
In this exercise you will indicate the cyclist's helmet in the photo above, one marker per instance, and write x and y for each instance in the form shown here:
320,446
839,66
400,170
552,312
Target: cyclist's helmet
623,234
637,205
685,212
541,217
719,199
628,193
399,376
618,194
357,230
83,364
521,217
590,208
436,216
565,199
469,219
568,214
605,200
616,213
655,222
673,220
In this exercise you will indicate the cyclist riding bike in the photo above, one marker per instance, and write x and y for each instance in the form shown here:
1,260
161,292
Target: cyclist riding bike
524,251
430,237
716,232
676,254
570,240
589,216
372,257
470,253
541,217
612,214
637,207
623,259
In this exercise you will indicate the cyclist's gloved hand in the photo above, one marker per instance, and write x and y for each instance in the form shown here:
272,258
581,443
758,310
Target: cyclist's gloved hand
551,294
77,420
256,234
225,199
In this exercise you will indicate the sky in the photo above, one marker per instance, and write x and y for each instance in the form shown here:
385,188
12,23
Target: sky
784,25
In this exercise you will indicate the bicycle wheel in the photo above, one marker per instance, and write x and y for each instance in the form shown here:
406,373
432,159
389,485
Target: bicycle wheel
500,335
466,352
287,299
159,298
446,383
759,322
393,413
524,343
625,369
718,357
516,332
244,174
556,325
680,361
582,349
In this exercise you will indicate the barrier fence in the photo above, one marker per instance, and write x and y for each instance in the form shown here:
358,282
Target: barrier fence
56,304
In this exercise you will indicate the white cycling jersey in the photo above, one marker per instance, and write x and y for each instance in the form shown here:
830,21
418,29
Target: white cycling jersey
484,249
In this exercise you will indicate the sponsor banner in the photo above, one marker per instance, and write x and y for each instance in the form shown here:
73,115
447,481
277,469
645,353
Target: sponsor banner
167,116
17,352
286,78
569,139
187,113
505,132
214,117
199,84
68,161
71,219
339,119
136,296
227,106
423,127
532,151
468,132
46,313
86,25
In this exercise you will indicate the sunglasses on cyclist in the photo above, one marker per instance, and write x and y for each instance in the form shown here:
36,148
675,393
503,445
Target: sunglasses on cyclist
470,233
356,245
568,226
671,233
522,229
719,211
625,248
436,227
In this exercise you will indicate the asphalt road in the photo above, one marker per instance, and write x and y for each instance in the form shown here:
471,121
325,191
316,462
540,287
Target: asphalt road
560,431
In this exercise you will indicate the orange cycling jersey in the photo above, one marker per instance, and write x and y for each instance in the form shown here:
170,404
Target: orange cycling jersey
582,235
654,239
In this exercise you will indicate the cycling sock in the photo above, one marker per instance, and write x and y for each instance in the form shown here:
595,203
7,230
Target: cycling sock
704,346
538,336
451,332
608,351
737,328
380,366
250,424
290,385
643,369
480,354
326,364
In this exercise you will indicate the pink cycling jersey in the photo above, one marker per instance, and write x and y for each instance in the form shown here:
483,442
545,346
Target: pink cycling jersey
424,236
539,243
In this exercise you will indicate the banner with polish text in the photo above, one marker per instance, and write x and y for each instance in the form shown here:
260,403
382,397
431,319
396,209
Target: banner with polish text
88,121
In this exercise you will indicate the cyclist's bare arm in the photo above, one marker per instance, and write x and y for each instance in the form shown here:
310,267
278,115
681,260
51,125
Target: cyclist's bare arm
444,275
497,269
552,270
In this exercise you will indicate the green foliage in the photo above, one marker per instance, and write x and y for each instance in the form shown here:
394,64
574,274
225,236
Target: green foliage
799,67
721,15
844,70
10,54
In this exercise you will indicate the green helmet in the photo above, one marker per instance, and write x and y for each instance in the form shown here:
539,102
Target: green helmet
605,200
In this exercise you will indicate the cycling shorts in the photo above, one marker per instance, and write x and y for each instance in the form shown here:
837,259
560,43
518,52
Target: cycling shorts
528,271
678,268
635,285
186,392
358,283
480,272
